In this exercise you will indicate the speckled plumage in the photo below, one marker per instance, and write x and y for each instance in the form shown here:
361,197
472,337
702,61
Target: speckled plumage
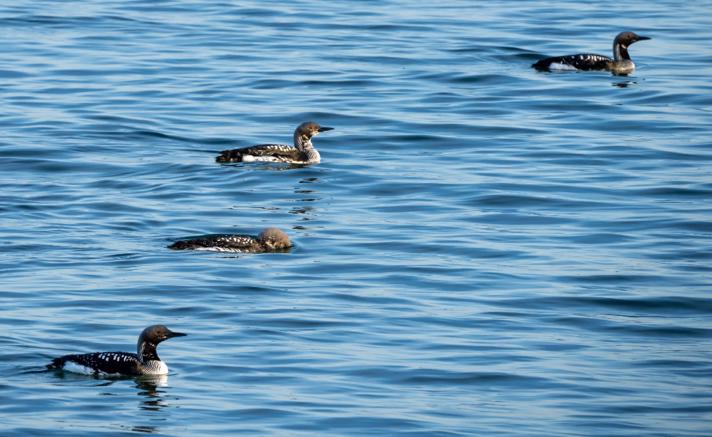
302,152
145,362
269,240
620,64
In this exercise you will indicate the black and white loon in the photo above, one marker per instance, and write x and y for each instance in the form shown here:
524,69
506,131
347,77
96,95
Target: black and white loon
303,152
144,362
269,240
621,64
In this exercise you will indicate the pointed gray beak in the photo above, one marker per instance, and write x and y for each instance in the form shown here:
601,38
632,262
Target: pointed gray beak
642,38
324,128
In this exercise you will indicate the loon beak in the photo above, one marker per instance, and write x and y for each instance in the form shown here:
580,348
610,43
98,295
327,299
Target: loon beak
643,38
324,128
172,334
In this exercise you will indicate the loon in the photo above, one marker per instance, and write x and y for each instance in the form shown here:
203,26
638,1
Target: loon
621,64
269,240
303,152
144,362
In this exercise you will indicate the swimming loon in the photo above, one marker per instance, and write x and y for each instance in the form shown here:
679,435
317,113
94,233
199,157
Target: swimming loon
621,64
303,152
269,240
144,362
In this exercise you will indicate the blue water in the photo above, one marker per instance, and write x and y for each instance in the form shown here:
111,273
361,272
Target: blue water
484,249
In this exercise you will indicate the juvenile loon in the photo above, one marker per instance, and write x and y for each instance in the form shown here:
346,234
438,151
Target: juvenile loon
303,152
621,64
144,362
269,240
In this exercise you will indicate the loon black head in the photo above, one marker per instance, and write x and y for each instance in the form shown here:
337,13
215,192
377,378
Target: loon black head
274,238
305,131
621,43
150,338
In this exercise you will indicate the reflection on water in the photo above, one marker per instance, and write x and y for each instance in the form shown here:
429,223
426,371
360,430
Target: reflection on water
302,210
268,166
149,389
625,83
117,389
145,429
306,196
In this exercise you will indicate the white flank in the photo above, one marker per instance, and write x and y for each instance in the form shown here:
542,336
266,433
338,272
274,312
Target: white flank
562,67
71,366
220,249
252,158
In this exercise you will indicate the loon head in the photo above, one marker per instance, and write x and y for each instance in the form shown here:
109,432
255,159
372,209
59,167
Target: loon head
274,238
151,337
625,39
622,41
305,131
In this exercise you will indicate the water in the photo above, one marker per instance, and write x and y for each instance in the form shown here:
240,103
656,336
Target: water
484,249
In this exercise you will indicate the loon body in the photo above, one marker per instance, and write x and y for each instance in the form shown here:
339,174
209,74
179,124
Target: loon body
144,362
269,240
302,152
621,64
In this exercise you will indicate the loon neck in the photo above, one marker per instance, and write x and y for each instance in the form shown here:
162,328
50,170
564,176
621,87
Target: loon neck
147,351
620,52
303,143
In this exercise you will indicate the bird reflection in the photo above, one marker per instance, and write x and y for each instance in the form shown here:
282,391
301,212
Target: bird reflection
149,388
625,83
306,195
145,429
271,166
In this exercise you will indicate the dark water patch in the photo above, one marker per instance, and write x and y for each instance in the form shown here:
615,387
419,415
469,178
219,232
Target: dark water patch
657,305
599,238
663,331
13,74
483,379
681,254
481,79
610,279
521,201
672,192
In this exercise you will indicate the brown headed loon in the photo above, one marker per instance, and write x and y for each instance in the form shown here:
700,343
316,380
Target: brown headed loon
303,152
269,240
144,362
621,64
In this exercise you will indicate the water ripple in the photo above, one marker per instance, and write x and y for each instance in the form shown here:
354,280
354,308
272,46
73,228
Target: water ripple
484,249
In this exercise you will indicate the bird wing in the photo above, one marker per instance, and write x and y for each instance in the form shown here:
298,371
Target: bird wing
107,362
216,242
281,152
583,61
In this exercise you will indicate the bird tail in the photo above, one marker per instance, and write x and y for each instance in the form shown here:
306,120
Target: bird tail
542,64
56,363
179,245
229,156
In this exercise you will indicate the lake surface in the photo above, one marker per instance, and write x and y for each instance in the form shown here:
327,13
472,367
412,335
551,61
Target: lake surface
484,249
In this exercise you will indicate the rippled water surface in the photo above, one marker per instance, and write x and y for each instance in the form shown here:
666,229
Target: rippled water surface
484,249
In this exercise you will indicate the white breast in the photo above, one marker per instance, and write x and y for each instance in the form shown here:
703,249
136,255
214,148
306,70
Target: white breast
154,367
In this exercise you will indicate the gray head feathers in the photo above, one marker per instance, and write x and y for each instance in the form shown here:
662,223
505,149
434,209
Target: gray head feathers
305,131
